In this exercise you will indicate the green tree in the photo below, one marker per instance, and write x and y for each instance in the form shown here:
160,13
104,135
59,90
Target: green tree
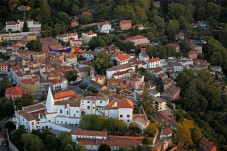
24,101
196,135
32,142
134,129
159,22
8,108
46,10
25,27
216,59
151,130
71,75
104,147
33,45
172,28
10,126
68,147
4,84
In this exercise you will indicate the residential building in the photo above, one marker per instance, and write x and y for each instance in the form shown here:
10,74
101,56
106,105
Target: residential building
12,26
119,68
216,68
125,24
166,133
13,93
159,103
192,54
67,37
89,55
30,86
139,40
172,93
114,83
143,57
31,36
206,145
121,59
49,42
86,37
91,140
74,23
153,63
4,67
104,27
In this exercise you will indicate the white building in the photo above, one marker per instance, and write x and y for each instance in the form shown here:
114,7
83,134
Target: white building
86,37
89,55
67,37
159,103
121,59
143,57
153,63
118,68
18,25
104,27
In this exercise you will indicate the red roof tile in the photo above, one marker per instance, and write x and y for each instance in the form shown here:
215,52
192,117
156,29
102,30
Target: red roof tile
125,103
64,94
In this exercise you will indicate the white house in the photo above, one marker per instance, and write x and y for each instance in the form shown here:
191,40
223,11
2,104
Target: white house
89,55
159,103
119,68
86,37
121,59
67,37
153,63
18,25
104,27
143,57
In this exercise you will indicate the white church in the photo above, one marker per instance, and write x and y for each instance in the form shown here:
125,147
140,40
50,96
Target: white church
66,108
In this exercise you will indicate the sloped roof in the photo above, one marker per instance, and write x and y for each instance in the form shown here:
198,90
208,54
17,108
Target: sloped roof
125,103
64,94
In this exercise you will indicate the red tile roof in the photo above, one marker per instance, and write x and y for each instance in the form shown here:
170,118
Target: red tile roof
14,91
153,60
103,23
4,64
125,103
64,94
114,81
122,57
137,37
167,131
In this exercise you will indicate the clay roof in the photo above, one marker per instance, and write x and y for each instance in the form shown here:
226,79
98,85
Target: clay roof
32,108
167,131
90,33
64,94
144,55
122,57
153,60
125,103
192,52
112,104
71,103
125,21
114,81
118,96
120,67
121,141
14,91
103,23
4,64
89,133
136,37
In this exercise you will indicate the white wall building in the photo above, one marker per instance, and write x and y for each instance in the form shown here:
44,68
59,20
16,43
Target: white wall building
18,25
153,63
104,27
118,68
86,37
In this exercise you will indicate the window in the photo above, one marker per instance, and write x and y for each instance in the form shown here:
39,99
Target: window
128,115
74,115
76,111
60,111
101,102
121,115
88,107
93,102
127,120
88,101
67,112
93,107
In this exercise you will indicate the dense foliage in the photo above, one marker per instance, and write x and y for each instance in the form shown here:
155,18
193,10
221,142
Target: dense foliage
204,102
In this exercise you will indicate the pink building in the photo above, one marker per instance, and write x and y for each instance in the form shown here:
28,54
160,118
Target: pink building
4,67
139,40
192,54
125,24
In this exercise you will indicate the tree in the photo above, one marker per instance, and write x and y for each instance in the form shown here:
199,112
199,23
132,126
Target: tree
172,28
8,108
46,10
104,147
71,75
68,147
32,142
92,122
159,22
134,129
151,130
196,135
24,101
10,126
25,27
4,84
80,148
33,45
65,140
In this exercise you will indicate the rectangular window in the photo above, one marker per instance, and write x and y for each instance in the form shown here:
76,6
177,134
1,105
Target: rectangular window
88,107
128,115
121,115
88,101
101,102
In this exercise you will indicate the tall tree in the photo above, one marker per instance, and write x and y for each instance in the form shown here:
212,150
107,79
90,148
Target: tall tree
25,27
71,75
46,11
104,147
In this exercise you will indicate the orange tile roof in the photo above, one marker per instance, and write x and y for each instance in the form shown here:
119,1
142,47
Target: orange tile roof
125,103
137,37
153,60
114,81
103,23
89,133
112,104
123,57
14,91
4,64
64,94
167,131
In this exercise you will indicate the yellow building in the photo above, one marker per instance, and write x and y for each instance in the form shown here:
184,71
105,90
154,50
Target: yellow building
30,86
31,36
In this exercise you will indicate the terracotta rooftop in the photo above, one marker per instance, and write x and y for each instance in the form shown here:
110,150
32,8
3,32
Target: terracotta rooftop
125,103
117,96
4,64
103,23
14,91
153,60
64,94
136,37
122,57
167,131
